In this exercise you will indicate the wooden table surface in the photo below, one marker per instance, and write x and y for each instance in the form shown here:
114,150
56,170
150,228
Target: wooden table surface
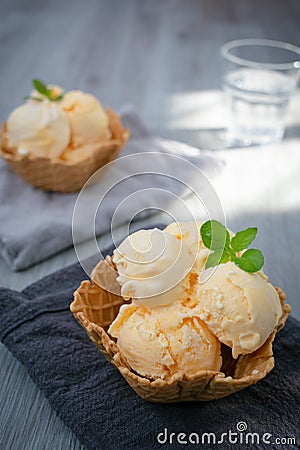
162,56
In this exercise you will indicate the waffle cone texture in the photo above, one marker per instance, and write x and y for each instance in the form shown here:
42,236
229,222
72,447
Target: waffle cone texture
62,175
95,308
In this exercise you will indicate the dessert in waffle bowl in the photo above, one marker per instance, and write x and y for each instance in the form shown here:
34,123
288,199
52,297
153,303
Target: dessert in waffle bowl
55,141
202,338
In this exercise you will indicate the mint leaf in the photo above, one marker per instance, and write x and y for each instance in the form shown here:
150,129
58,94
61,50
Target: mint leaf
217,238
250,261
214,235
217,257
243,239
41,88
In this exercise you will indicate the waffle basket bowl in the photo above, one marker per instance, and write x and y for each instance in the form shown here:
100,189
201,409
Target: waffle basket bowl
64,175
95,308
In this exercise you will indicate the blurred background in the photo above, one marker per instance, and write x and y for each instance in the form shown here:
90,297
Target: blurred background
159,55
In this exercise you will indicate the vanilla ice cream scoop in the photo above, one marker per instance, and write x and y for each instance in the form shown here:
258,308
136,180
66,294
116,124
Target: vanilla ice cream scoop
161,342
153,267
39,129
88,120
241,309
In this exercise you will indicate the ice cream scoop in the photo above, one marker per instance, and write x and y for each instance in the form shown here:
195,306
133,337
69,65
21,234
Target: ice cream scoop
241,309
39,129
88,120
153,267
161,342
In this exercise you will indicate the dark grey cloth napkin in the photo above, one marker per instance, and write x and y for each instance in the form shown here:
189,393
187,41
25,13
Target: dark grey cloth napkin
35,224
93,399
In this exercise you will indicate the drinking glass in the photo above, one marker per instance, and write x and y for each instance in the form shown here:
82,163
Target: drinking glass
259,78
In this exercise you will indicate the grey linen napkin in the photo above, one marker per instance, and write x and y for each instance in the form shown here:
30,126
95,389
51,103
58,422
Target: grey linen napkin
35,224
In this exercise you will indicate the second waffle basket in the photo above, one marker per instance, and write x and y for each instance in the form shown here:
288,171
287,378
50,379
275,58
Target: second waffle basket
95,308
63,175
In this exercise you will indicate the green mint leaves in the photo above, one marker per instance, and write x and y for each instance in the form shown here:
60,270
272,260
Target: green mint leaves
40,87
250,261
216,237
243,239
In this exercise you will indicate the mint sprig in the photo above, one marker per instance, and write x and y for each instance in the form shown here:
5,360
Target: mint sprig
216,237
41,87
